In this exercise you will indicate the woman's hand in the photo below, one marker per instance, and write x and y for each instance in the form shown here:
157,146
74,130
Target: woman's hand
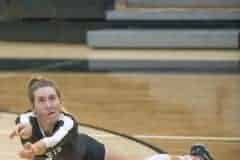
30,150
39,147
27,152
24,131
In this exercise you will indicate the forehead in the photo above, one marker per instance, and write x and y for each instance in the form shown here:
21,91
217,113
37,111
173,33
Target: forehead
45,91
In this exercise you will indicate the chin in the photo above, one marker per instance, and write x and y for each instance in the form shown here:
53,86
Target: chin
54,117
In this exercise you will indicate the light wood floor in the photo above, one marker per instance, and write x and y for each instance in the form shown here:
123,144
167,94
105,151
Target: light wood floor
11,147
199,108
170,111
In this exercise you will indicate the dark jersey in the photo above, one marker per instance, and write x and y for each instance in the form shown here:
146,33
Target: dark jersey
65,143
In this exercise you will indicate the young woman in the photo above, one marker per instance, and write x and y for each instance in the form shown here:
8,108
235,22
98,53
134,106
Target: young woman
47,132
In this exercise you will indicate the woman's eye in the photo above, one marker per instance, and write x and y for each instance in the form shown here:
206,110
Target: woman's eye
52,97
41,99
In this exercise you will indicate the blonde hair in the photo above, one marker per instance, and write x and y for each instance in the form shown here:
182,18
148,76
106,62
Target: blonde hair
39,82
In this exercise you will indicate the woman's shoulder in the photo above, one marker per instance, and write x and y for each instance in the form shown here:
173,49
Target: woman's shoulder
67,117
67,114
28,113
25,117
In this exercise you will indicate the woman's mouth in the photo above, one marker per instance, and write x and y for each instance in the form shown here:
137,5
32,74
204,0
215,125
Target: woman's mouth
51,113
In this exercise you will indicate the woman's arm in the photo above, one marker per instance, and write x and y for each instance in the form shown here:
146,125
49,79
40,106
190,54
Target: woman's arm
67,127
30,150
24,131
23,127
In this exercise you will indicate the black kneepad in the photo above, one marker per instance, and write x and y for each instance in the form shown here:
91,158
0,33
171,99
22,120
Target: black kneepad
201,151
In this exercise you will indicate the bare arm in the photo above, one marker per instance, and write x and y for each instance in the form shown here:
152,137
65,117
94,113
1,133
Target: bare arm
24,131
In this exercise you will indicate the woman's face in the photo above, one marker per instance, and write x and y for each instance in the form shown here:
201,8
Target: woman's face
47,105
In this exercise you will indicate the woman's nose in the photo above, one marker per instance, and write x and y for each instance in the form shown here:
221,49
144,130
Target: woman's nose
48,104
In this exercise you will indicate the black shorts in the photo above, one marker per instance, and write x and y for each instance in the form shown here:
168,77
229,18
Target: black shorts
84,148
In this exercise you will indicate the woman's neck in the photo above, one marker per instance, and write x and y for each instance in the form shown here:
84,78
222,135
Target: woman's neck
46,126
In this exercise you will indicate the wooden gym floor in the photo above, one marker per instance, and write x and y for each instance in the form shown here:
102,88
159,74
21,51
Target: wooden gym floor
169,111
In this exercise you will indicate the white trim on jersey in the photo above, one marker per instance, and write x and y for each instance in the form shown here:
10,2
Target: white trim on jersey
68,124
53,140
25,117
